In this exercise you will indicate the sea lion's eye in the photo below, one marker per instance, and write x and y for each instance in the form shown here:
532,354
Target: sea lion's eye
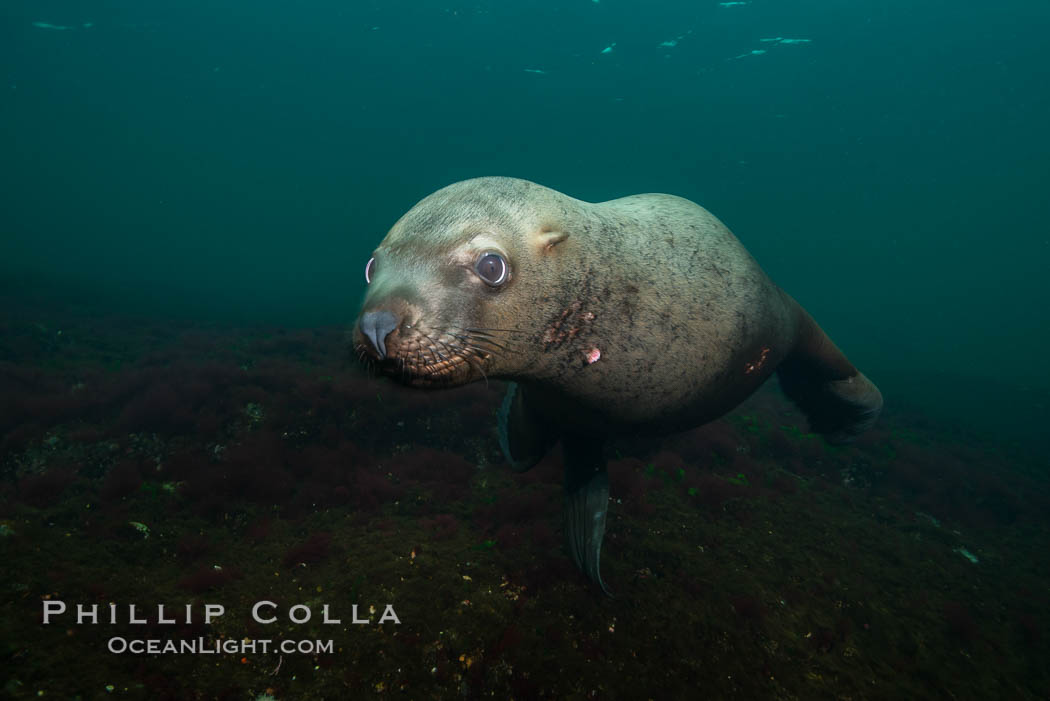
370,270
492,269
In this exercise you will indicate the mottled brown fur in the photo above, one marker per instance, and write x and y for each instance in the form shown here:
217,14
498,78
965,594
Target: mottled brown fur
686,322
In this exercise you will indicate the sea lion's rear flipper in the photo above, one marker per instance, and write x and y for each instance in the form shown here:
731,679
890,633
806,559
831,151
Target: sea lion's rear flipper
839,401
523,435
586,504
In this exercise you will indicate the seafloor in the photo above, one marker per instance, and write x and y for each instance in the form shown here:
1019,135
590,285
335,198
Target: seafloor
163,462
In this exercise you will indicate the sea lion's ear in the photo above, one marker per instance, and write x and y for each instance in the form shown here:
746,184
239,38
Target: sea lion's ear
549,237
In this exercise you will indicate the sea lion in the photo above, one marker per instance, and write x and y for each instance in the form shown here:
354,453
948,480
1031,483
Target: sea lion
638,315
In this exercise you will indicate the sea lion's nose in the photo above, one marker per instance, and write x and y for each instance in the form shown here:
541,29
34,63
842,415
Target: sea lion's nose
377,326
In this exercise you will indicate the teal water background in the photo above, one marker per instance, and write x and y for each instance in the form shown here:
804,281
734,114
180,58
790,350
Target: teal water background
238,161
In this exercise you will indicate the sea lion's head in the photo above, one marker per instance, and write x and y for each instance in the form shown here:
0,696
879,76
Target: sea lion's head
456,288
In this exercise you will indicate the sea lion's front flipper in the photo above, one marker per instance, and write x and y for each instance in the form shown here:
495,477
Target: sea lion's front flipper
586,504
523,434
838,399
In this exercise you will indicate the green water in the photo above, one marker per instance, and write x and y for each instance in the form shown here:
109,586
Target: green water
240,160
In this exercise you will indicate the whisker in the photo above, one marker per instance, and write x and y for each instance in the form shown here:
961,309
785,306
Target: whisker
433,349
451,353
482,335
364,359
491,328
479,334
470,358
475,340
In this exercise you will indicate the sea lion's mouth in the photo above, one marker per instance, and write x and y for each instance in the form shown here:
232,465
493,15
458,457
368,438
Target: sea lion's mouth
419,370
420,357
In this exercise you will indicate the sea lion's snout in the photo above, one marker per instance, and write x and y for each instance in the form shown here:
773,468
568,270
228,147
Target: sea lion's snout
404,346
376,326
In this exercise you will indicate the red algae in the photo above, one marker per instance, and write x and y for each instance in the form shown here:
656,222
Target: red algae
86,434
258,530
510,536
331,466
510,638
517,506
341,495
158,408
478,404
784,484
712,492
716,440
629,482
1029,628
316,548
192,546
823,639
830,541
208,578
441,526
53,406
748,608
371,489
549,470
20,437
352,389
543,537
121,481
960,621
46,488
525,505
255,470
428,464
669,462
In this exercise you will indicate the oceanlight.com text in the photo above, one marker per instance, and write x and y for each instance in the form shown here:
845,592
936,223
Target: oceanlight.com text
204,646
